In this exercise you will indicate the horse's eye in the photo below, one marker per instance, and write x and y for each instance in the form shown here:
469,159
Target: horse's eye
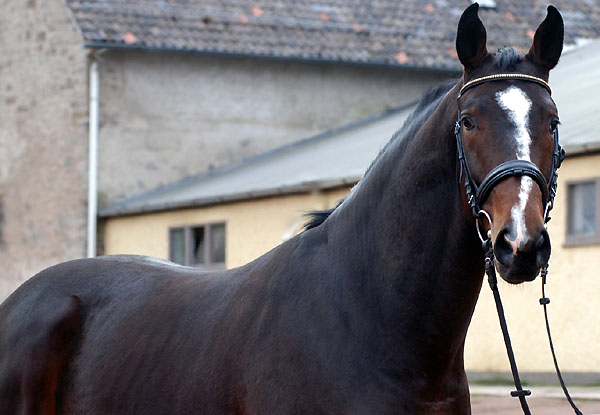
468,123
554,125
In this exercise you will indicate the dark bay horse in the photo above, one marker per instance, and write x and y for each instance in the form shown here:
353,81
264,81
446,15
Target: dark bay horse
364,313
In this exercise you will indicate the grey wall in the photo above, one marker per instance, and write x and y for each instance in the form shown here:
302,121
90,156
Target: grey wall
165,116
43,139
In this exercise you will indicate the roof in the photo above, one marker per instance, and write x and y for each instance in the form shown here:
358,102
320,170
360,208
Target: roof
332,159
576,86
409,33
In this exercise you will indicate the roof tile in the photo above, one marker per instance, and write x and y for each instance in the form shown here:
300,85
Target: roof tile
340,30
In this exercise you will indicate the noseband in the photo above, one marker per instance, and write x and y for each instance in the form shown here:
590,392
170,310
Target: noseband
478,194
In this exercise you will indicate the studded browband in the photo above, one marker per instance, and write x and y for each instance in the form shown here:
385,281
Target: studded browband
504,77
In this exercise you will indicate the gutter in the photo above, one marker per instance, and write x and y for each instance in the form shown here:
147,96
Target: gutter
93,159
582,149
299,188
448,70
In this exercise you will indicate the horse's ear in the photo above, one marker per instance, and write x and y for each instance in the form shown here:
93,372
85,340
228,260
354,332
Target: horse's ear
471,39
548,40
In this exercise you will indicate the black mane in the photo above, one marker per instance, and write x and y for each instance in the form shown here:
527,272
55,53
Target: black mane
317,217
424,108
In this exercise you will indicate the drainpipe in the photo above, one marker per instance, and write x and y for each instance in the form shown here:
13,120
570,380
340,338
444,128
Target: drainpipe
93,160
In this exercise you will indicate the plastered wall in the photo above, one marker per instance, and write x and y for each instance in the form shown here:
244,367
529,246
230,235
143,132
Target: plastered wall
252,227
574,291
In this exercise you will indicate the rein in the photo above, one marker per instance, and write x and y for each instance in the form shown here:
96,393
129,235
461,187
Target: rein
478,194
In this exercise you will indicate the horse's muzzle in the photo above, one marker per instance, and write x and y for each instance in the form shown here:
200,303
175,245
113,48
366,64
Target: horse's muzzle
521,260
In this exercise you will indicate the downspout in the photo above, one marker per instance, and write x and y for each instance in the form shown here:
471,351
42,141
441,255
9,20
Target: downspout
93,160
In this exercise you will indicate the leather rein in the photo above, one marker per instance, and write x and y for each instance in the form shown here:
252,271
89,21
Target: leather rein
476,197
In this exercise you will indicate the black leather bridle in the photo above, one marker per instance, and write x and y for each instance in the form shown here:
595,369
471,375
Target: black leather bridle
478,194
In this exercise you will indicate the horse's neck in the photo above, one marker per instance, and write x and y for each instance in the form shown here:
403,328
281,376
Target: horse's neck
418,254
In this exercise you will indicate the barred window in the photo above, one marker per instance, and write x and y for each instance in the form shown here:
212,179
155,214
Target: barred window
583,224
198,245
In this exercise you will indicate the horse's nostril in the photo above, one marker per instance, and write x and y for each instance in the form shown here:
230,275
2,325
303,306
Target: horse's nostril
534,251
503,249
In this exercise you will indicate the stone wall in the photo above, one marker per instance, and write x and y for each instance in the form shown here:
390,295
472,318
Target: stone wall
165,116
43,139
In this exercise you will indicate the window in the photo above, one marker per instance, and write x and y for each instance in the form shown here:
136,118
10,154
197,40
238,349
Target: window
198,246
583,215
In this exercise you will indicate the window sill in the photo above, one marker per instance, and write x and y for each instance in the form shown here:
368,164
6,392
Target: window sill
581,240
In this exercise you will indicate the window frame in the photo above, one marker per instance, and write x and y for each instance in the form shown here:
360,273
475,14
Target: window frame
574,239
188,243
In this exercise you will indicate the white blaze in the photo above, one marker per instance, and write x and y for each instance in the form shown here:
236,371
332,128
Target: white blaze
517,106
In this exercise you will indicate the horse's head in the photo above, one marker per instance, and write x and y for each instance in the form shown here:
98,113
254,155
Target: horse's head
506,127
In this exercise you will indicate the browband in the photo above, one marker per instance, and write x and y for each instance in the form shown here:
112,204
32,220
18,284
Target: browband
502,77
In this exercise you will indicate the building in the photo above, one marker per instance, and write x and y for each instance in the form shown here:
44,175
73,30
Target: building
164,90
238,212
261,201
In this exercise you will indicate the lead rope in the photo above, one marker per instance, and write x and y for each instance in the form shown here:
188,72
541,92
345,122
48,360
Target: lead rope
544,301
521,393
557,159
490,271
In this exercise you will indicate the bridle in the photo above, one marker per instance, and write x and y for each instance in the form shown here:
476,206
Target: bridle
476,197
478,194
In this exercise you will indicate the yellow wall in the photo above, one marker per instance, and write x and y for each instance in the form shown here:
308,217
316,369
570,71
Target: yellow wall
252,227
573,288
